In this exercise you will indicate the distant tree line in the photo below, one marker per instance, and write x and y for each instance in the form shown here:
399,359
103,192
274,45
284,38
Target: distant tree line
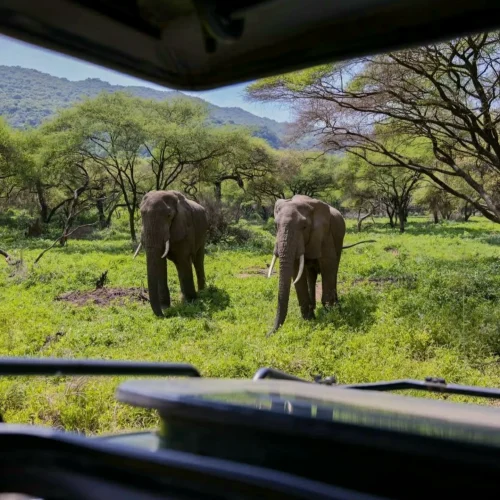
426,114
407,132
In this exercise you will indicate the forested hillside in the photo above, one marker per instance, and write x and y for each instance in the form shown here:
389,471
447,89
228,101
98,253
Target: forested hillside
27,97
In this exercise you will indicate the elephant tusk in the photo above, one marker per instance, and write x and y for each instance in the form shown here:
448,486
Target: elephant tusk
167,246
137,251
301,269
271,266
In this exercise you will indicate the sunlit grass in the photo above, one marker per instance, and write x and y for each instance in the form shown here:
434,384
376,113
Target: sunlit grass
425,303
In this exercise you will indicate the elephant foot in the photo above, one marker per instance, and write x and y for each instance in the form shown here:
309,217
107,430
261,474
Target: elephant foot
331,303
308,315
189,298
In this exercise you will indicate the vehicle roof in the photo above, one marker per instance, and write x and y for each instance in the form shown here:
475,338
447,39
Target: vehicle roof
204,44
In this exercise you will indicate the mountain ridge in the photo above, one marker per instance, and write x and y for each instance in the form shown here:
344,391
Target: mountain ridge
29,96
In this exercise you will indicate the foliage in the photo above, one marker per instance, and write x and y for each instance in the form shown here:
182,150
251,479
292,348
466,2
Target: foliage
426,303
370,189
443,97
296,172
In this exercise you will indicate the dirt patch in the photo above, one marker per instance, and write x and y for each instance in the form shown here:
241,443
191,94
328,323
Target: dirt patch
104,296
251,272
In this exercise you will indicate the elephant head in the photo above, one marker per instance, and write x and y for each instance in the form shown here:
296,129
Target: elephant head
165,221
302,225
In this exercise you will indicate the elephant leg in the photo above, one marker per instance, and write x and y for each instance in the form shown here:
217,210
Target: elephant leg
199,266
185,271
163,291
312,277
306,308
329,269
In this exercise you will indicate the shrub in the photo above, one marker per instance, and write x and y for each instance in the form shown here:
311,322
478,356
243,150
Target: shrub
218,219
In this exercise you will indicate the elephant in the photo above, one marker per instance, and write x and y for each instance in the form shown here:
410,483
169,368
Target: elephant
309,238
173,228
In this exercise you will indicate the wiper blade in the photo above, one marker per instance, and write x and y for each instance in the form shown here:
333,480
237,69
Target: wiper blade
58,367
430,385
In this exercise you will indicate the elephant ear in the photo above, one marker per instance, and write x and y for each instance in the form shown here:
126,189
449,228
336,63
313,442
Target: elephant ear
277,206
320,230
181,223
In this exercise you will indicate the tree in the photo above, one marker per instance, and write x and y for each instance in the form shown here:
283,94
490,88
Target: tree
310,174
110,134
176,138
242,159
9,159
296,172
443,97
367,188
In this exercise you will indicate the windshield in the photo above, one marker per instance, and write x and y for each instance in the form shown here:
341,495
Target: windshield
337,221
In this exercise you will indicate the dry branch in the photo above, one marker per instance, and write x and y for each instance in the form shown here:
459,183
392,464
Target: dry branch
61,238
6,255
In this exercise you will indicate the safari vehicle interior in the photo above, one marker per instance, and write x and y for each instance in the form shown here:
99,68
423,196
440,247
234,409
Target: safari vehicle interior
275,436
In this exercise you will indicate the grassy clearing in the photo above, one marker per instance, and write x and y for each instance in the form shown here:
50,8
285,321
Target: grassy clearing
426,303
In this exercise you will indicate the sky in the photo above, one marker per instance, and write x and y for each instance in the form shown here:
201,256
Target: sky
15,53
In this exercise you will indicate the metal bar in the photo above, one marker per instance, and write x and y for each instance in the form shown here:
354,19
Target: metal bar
54,366
264,373
419,385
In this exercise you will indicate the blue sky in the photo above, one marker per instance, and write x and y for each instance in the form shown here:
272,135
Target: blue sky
15,53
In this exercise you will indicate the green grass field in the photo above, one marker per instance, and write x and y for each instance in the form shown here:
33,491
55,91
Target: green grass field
425,303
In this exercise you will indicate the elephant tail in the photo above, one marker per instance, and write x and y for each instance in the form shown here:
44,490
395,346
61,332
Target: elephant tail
358,243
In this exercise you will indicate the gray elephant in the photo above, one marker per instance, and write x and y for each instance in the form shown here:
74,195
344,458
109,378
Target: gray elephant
309,239
173,228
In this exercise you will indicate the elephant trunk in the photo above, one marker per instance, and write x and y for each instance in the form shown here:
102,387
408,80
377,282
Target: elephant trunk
285,281
156,272
287,252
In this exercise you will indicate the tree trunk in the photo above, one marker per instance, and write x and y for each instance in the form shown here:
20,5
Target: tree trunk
103,222
467,212
218,190
401,217
361,219
264,213
44,208
390,214
435,213
131,221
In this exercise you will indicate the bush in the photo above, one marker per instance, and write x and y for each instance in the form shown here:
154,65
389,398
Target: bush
270,226
218,219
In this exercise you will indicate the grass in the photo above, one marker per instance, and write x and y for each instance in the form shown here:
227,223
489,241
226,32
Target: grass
425,303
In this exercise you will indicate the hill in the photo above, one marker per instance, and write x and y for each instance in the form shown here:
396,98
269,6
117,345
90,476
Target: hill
28,96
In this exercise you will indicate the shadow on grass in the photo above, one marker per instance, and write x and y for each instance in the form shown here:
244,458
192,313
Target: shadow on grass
210,300
356,309
493,240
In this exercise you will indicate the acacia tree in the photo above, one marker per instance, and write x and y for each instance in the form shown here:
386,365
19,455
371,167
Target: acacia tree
176,139
109,133
368,188
444,96
309,174
243,159
9,160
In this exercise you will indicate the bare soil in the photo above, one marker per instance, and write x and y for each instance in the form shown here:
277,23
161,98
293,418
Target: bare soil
104,296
